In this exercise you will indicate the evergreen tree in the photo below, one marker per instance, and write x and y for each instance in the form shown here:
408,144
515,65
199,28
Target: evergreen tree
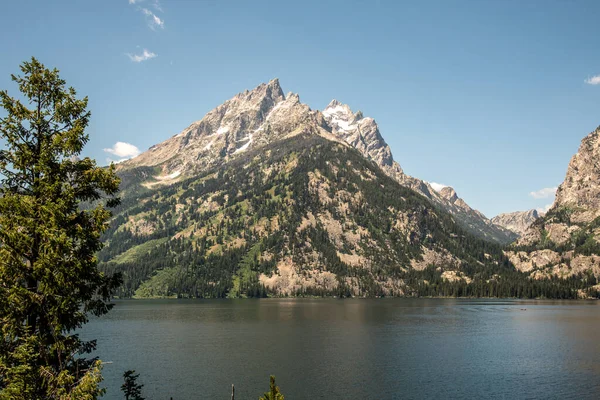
132,389
49,281
273,393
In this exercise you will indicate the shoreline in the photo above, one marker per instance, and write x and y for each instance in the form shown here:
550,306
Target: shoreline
354,298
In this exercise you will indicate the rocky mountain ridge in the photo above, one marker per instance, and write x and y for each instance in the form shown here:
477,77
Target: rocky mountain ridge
249,120
518,221
363,134
256,118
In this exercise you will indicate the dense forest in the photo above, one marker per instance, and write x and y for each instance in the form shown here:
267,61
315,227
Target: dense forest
311,203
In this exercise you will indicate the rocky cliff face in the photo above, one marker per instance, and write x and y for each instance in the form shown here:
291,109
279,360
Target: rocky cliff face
517,222
459,205
566,241
254,119
361,133
580,191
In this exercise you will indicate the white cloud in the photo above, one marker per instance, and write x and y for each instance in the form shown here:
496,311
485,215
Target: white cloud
153,20
437,186
123,150
111,161
146,55
544,210
156,4
157,21
543,193
594,80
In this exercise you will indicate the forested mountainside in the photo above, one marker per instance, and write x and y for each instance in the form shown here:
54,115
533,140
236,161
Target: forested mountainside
256,118
566,241
304,215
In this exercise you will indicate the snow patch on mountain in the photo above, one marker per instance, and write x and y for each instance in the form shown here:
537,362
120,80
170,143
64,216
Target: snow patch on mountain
222,130
275,108
437,186
245,146
340,116
168,177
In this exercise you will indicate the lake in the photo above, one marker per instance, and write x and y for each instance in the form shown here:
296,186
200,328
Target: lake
353,348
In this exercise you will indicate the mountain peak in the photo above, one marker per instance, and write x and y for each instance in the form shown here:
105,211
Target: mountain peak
294,97
360,132
449,193
333,103
271,90
258,117
274,84
534,213
339,111
518,221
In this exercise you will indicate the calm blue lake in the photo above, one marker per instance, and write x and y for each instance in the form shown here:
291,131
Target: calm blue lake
353,348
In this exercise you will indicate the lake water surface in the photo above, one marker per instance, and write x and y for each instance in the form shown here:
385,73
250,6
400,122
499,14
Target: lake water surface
354,348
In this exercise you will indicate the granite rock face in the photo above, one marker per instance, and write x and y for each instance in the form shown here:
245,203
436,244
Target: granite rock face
517,222
570,230
580,191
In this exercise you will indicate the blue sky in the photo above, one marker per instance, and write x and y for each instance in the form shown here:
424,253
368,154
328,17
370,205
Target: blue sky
489,97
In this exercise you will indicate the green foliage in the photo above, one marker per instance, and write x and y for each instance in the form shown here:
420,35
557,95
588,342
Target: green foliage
583,240
159,286
88,387
136,252
132,389
273,393
49,281
245,281
559,215
499,282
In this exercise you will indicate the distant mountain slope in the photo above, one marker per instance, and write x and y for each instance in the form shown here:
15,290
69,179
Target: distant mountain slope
253,119
303,215
566,241
517,222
